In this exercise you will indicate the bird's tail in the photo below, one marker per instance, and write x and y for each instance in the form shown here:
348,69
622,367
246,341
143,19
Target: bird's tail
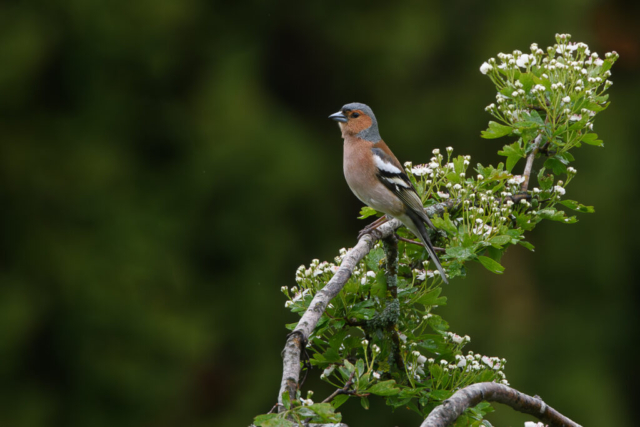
421,232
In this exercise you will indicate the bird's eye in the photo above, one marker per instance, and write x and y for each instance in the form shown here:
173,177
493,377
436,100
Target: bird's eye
355,115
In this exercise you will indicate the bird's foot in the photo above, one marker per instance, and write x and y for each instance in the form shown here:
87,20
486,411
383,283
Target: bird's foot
375,224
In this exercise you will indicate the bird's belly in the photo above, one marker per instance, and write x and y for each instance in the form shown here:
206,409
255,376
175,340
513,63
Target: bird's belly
373,193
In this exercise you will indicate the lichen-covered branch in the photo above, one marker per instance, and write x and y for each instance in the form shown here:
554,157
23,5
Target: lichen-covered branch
468,397
309,320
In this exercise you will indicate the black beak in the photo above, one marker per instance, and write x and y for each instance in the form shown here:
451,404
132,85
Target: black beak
339,117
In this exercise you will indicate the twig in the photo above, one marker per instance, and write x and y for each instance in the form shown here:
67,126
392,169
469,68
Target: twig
415,242
470,396
529,165
274,408
309,320
343,390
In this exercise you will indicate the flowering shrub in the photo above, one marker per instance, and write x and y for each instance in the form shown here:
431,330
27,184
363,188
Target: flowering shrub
382,335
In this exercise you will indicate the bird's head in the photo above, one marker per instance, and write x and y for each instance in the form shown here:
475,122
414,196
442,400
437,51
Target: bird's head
357,119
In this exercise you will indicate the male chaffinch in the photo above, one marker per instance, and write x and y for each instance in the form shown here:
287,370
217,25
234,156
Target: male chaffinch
376,177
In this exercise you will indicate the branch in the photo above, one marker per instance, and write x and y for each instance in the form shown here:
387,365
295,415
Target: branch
343,390
470,396
529,165
309,320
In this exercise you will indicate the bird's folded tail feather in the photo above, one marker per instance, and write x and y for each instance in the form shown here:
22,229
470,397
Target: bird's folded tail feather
421,232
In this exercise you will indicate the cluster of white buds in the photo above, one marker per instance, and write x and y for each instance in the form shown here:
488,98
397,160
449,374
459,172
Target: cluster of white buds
457,339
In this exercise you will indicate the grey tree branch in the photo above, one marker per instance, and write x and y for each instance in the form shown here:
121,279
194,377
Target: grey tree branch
309,320
468,397
529,165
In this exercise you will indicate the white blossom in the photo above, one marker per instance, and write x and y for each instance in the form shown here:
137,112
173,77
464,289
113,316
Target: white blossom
485,68
566,99
560,190
524,60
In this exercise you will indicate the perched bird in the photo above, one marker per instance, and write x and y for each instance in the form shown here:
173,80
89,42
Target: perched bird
377,178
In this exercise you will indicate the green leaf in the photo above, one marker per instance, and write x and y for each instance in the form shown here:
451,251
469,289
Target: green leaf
496,130
545,182
592,139
526,245
594,106
262,418
527,81
384,388
339,400
556,165
580,124
432,298
276,422
461,253
491,265
286,400
326,411
435,370
513,152
379,287
373,259
364,402
572,204
500,240
362,310
441,394
445,223
366,212
360,367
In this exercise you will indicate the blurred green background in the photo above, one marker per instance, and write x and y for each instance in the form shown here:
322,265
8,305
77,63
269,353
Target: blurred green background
165,166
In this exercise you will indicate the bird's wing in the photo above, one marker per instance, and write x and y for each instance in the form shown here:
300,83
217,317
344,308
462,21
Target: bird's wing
392,177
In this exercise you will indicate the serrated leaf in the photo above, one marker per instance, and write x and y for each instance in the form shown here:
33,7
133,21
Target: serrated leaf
445,223
441,394
384,388
461,253
580,124
326,412
262,418
572,204
556,165
491,265
276,422
513,152
592,139
432,298
366,212
527,81
496,130
545,182
500,240
373,259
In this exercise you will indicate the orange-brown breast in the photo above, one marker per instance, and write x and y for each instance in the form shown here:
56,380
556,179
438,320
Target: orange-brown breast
360,173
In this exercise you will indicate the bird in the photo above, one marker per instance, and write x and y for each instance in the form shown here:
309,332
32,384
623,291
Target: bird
377,178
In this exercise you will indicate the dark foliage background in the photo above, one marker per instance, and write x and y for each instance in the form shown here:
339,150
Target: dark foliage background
166,165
